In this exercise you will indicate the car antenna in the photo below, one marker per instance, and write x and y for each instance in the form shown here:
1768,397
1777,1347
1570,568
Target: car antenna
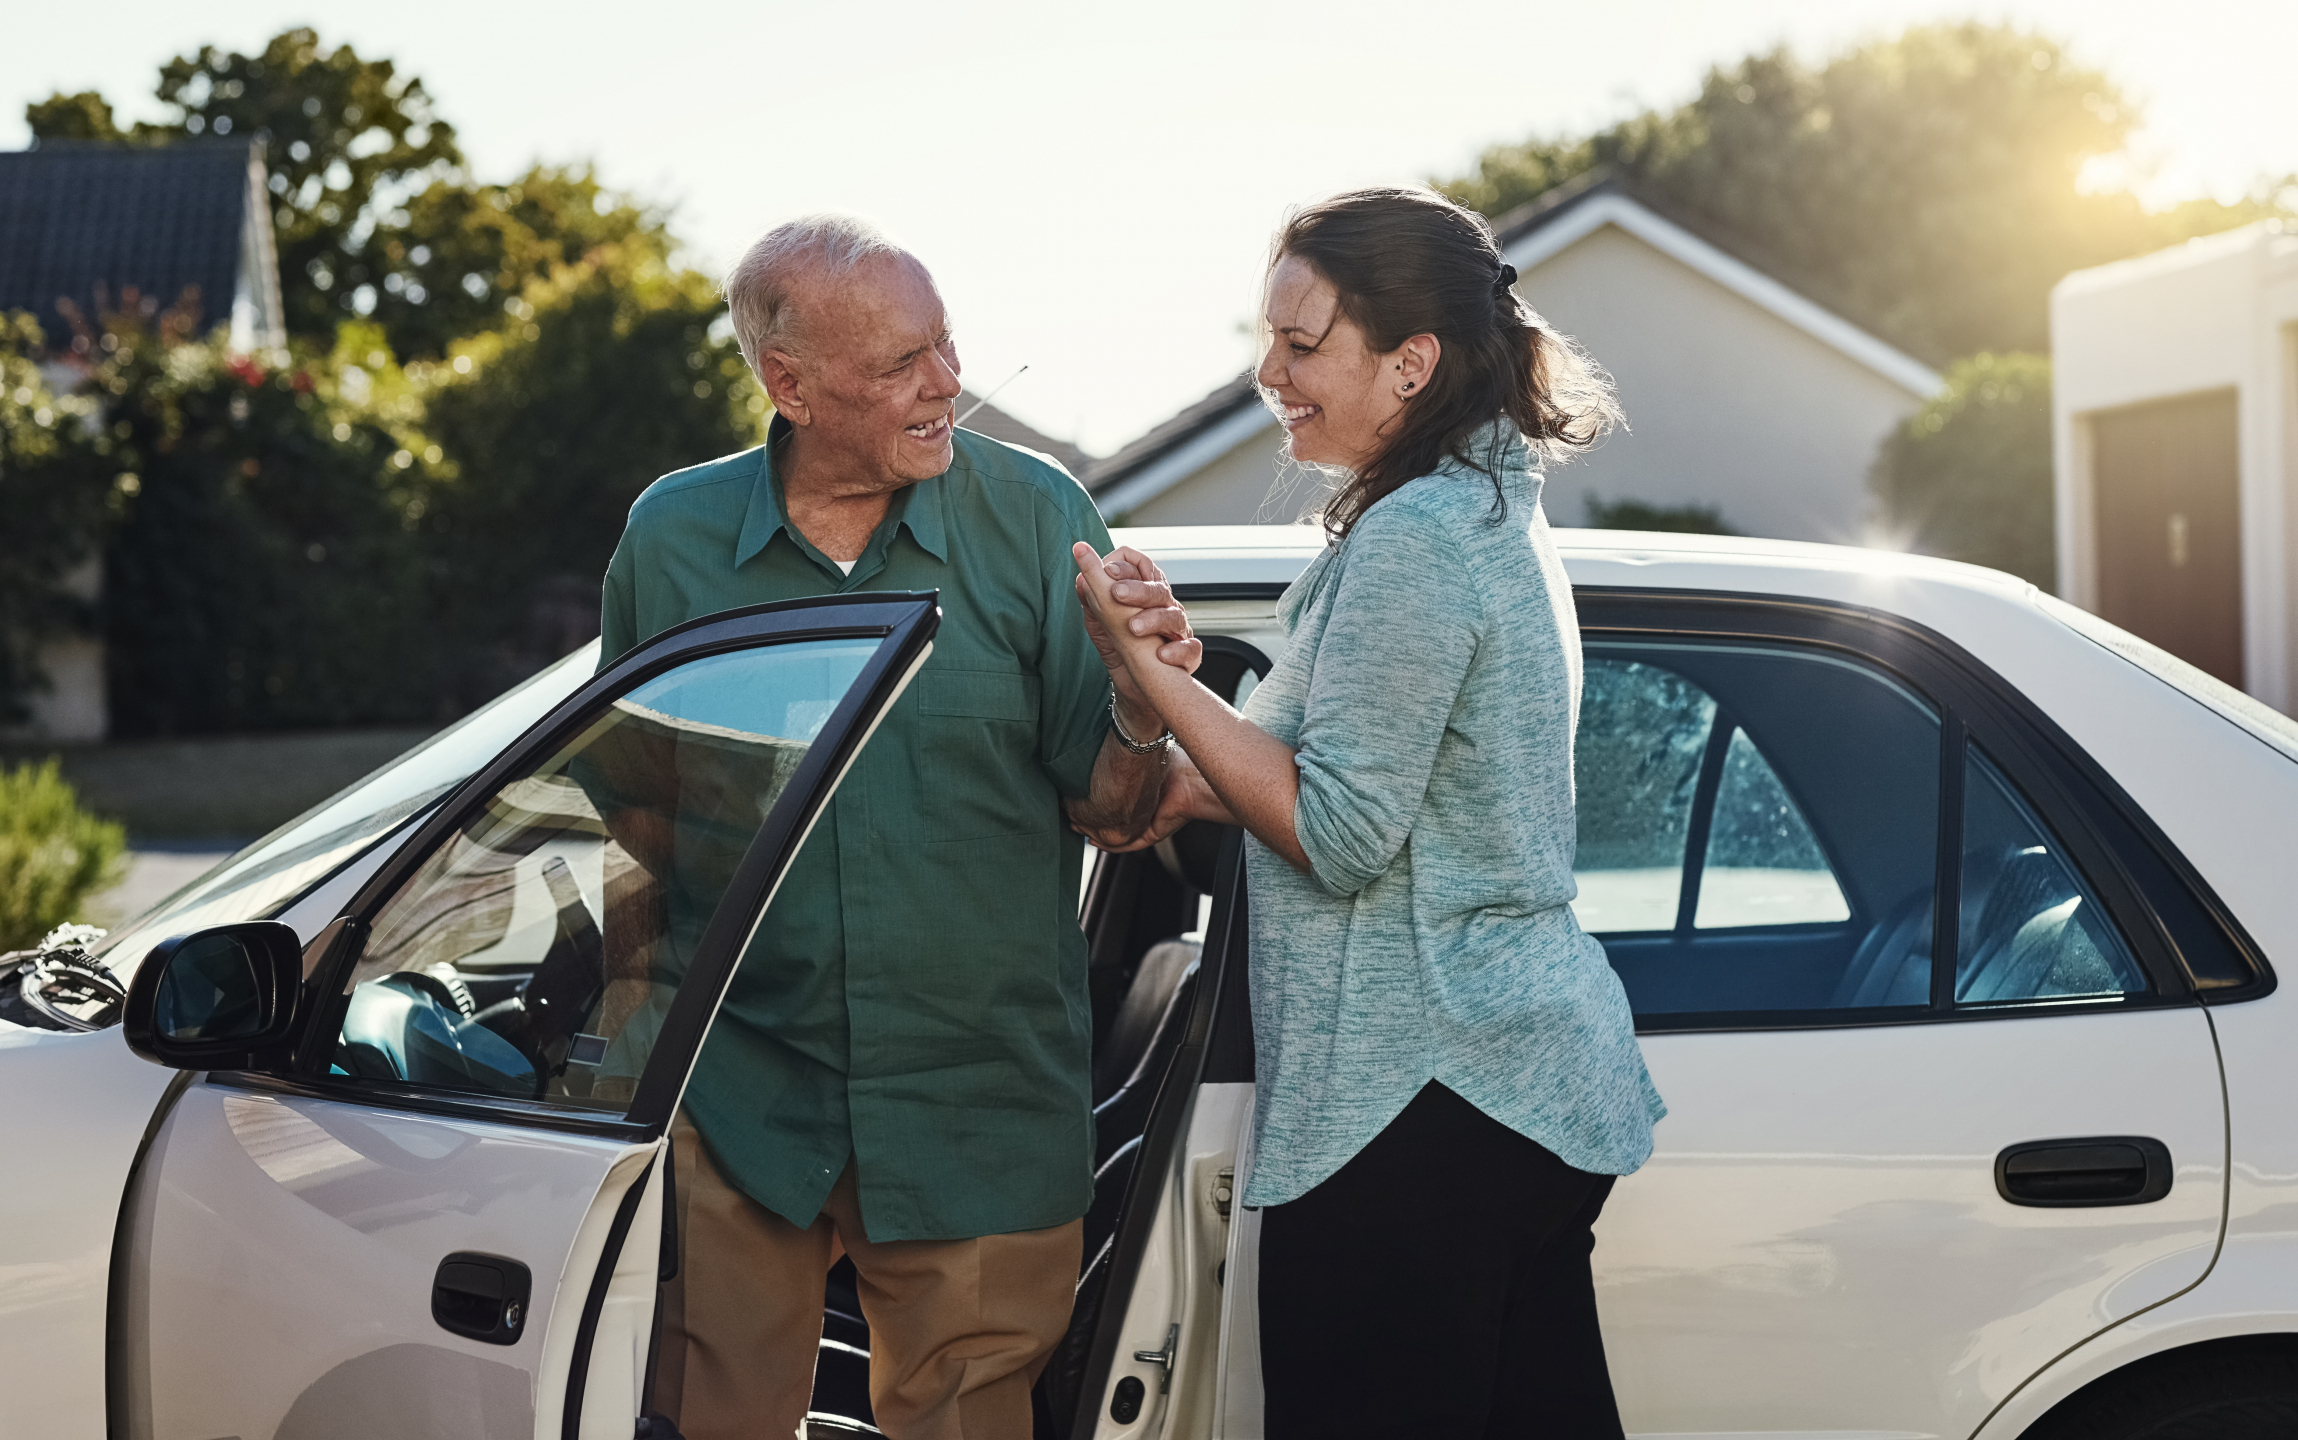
984,400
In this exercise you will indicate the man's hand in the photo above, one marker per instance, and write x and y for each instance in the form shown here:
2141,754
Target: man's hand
1185,797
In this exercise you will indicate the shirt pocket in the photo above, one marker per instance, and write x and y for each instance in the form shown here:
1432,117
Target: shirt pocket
978,695
973,756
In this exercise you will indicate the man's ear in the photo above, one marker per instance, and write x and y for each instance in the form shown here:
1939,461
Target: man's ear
785,386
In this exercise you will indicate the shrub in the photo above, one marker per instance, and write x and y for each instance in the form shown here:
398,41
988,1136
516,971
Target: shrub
1968,477
1643,515
53,854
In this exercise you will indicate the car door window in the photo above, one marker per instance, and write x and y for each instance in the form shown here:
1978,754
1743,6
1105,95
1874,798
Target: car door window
1764,866
1757,828
2031,930
533,954
1636,766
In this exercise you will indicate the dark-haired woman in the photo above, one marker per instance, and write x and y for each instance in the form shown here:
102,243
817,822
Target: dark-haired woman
1448,1079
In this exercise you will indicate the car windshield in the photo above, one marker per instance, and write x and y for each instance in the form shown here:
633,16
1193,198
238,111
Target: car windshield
266,877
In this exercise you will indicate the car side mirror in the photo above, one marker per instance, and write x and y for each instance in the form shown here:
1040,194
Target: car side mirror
216,999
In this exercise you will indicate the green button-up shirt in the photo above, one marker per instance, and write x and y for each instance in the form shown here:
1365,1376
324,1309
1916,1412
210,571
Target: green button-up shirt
916,999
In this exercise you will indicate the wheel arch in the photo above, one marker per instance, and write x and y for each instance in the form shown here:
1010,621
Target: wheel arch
2116,1358
2063,1420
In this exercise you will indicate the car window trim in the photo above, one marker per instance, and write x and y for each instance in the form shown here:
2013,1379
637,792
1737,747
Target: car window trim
2036,754
905,619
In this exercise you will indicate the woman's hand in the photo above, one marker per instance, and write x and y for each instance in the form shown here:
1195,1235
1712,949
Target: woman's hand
1132,601
1186,797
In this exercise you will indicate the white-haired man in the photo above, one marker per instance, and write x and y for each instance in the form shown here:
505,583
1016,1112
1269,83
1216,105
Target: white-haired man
900,1070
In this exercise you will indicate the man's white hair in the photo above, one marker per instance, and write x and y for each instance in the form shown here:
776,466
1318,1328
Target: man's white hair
759,286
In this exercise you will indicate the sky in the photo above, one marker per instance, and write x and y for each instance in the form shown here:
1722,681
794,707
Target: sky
1093,187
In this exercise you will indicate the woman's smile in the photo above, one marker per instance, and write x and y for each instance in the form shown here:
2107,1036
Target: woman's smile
1294,416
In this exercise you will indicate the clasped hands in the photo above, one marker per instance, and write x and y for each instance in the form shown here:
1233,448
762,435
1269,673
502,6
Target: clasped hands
1144,638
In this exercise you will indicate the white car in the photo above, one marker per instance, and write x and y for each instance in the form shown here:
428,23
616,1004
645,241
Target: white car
1946,911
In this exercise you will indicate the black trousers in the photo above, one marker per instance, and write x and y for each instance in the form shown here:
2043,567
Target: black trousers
1437,1285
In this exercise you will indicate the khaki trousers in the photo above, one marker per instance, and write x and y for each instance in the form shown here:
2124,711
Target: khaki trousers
959,1329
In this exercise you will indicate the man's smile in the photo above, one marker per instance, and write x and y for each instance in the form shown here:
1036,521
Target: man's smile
931,431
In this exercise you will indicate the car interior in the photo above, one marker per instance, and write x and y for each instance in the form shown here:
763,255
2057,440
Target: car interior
1144,917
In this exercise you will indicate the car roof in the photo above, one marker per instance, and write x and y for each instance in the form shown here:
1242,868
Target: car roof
1892,580
2005,621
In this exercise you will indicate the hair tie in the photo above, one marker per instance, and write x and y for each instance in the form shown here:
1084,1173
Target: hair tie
1506,279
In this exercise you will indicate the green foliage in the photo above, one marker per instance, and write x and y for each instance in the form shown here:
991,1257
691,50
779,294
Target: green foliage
257,570
339,132
453,254
1969,475
606,375
1925,187
55,516
84,116
1639,515
410,508
53,854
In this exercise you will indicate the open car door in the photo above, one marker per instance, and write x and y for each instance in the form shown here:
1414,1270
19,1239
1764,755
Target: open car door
429,1199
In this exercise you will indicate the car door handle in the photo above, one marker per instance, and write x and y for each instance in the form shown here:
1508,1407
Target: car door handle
2091,1170
484,1297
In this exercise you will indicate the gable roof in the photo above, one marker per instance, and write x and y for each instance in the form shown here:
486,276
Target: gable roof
987,419
1528,235
1533,232
81,219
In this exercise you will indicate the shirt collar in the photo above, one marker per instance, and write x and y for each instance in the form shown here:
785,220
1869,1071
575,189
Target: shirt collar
919,508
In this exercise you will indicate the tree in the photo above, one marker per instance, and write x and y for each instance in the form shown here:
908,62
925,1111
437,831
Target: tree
1926,187
340,133
1641,515
605,375
411,509
260,568
85,116
1968,476
453,254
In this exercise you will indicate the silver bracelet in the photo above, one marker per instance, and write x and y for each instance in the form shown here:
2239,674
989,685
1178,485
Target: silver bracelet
1138,747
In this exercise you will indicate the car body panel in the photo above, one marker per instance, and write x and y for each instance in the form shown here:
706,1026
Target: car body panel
258,1187
1817,1243
77,1109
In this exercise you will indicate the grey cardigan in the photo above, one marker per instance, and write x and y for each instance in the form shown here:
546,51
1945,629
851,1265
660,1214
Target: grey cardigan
1431,687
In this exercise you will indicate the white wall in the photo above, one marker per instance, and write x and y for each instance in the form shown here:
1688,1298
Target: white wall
2213,313
1727,404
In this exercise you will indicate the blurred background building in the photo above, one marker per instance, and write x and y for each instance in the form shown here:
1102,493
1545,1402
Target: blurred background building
1743,396
2175,421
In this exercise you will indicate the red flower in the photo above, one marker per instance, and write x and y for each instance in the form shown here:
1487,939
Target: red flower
247,370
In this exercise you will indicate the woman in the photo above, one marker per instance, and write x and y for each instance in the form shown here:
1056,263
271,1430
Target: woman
1448,1079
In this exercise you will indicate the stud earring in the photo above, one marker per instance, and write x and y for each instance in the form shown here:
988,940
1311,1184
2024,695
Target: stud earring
1408,384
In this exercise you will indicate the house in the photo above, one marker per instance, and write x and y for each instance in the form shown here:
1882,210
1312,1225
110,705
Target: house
2175,413
80,226
1740,393
83,222
983,418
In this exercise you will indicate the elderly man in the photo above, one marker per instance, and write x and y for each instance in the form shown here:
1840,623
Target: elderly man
900,1070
